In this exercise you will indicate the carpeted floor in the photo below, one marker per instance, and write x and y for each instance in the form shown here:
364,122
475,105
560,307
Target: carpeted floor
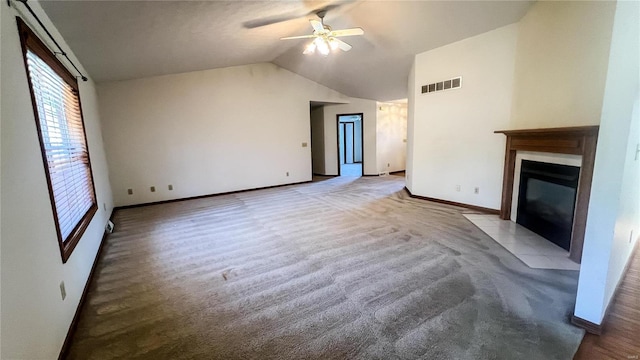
351,170
342,268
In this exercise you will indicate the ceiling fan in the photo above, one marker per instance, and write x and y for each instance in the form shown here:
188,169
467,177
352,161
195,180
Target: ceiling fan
325,39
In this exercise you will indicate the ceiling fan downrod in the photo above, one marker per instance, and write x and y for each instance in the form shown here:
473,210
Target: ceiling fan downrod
321,14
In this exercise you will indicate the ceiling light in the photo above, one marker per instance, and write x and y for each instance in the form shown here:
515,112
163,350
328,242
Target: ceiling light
310,49
324,38
334,44
322,46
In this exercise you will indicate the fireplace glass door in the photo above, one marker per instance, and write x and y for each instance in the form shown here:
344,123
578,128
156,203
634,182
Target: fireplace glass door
547,199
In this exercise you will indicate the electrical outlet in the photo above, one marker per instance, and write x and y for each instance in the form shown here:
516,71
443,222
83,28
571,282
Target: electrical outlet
130,191
457,187
63,291
388,164
170,187
476,190
287,173
304,144
153,189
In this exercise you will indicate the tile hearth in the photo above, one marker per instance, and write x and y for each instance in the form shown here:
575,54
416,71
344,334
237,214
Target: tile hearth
531,248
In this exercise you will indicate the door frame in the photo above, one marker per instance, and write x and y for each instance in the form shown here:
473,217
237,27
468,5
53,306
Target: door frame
361,139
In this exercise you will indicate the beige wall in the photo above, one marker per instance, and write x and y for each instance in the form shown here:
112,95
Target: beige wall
451,132
208,132
383,135
561,64
1,114
35,319
317,140
547,70
411,141
391,136
355,105
613,223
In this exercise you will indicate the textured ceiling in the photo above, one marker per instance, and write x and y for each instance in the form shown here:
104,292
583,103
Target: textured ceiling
119,40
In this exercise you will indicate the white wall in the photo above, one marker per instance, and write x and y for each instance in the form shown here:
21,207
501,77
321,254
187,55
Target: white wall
391,136
452,139
561,64
368,109
552,76
411,141
208,132
613,222
317,140
35,319
1,16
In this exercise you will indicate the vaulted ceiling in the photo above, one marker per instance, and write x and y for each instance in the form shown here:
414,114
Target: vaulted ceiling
119,40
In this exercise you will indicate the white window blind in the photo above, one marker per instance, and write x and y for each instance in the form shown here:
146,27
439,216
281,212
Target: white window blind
64,145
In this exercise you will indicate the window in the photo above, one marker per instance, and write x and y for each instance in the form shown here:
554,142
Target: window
56,104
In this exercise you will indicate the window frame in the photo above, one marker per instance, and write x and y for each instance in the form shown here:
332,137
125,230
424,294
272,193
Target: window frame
30,42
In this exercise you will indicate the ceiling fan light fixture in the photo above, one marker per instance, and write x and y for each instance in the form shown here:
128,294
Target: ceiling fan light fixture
310,49
333,44
325,40
323,46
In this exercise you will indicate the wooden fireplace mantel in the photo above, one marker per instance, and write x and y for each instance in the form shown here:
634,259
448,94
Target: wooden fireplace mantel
579,140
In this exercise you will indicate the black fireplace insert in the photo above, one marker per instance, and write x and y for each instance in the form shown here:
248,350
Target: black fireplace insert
547,200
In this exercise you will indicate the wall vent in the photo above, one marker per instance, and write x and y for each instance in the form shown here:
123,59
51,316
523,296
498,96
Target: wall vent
454,83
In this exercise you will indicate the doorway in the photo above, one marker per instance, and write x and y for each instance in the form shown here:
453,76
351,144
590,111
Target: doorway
350,144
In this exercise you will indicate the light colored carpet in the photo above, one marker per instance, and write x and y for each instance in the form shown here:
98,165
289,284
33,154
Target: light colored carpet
342,268
351,170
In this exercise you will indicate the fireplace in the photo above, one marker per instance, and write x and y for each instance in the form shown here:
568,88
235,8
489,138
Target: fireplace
579,140
547,199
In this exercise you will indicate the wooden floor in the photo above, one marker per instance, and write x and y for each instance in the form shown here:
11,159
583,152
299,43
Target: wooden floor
620,338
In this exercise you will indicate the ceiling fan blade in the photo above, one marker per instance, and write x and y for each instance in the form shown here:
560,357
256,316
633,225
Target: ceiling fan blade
298,37
342,45
317,25
256,23
348,32
252,24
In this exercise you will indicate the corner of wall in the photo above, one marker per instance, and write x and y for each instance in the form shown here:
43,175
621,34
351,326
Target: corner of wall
411,98
1,116
559,42
614,207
